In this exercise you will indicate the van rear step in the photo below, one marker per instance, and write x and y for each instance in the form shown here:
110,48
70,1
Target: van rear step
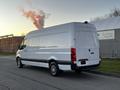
90,67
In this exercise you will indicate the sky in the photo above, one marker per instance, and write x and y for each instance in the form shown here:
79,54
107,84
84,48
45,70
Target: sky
12,20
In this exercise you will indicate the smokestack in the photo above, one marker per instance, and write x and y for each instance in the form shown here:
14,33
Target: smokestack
36,16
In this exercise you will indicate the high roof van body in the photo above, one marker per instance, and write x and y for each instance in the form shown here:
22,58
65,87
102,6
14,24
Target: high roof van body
71,46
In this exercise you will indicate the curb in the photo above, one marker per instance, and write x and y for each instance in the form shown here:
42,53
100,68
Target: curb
105,74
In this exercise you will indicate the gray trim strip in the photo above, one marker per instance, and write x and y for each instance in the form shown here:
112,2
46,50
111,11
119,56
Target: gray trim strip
47,61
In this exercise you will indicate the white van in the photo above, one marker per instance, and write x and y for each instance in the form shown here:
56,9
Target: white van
71,46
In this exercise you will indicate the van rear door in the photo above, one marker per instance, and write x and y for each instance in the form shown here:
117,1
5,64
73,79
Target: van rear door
87,48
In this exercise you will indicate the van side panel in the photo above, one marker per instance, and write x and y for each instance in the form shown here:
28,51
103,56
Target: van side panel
42,56
41,49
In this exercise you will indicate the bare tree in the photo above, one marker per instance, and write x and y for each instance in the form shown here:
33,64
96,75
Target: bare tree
115,12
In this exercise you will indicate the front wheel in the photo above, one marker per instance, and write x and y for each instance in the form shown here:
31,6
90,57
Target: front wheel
19,63
54,69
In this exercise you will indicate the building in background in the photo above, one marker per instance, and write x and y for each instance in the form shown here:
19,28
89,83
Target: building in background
10,43
109,36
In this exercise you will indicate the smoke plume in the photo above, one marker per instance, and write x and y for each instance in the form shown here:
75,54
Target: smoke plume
37,17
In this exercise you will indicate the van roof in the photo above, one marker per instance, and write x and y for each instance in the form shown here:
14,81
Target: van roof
61,27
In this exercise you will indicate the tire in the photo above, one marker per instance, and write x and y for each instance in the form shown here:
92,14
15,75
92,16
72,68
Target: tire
19,63
54,69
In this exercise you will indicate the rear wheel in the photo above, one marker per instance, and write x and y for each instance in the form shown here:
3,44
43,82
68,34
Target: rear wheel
19,63
54,69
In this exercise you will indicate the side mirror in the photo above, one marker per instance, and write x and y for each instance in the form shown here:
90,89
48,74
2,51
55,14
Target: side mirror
21,47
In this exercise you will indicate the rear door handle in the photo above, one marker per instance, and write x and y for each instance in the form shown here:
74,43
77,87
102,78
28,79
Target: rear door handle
92,53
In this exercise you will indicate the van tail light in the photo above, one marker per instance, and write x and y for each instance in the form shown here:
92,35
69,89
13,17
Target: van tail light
73,55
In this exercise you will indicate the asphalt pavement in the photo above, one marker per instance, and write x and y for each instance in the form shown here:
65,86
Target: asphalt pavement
36,78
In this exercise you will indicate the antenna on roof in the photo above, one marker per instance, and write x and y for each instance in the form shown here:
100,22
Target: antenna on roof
86,22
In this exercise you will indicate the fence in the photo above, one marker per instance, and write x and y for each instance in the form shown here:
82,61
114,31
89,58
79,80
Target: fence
10,44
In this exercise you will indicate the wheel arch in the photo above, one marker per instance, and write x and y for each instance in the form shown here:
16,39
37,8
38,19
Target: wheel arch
17,58
52,59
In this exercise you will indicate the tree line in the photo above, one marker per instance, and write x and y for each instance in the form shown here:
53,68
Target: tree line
113,13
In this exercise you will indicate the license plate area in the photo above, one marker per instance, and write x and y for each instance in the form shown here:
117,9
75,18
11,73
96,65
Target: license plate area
83,61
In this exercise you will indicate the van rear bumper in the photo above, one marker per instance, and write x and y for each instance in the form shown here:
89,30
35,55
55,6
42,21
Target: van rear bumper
90,67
